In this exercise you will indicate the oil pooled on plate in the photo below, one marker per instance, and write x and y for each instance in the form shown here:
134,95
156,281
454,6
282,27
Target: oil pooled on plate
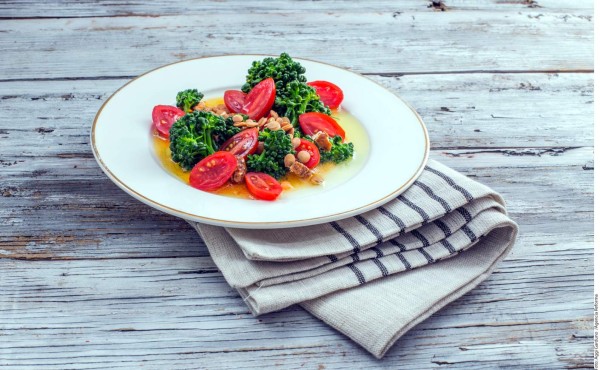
332,173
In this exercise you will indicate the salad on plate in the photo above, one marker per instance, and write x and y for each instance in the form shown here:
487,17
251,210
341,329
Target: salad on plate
275,133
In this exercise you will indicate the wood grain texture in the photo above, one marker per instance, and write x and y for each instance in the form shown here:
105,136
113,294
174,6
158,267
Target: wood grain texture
92,279
122,308
48,168
52,217
19,9
414,41
471,110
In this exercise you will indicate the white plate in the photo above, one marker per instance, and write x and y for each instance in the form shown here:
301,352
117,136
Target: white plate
388,160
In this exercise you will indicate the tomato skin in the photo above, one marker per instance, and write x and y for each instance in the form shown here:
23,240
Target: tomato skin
260,99
330,94
262,186
311,148
312,122
243,143
234,100
213,171
163,117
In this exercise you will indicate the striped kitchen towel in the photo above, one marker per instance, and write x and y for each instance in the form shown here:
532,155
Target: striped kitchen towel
376,275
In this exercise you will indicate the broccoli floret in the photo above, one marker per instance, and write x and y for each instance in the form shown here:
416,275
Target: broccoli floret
197,135
270,161
222,133
282,69
339,151
187,99
293,95
297,98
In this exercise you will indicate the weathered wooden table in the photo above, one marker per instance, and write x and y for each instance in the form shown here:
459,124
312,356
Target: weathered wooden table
91,278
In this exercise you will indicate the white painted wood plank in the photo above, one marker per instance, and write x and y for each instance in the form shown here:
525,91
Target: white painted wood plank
53,217
510,110
180,311
470,110
373,42
60,205
131,287
107,8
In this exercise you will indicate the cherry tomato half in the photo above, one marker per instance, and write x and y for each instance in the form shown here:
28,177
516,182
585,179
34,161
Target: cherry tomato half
234,100
262,186
243,143
213,171
260,99
164,116
311,148
312,122
330,94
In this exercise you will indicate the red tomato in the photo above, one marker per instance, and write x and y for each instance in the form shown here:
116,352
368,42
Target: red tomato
164,116
311,148
262,186
234,100
260,99
213,171
243,143
312,122
331,95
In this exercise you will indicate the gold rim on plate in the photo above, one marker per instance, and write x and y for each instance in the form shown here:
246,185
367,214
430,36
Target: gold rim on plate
195,217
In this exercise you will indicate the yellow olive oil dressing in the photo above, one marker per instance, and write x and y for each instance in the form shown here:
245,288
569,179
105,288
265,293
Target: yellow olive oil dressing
332,173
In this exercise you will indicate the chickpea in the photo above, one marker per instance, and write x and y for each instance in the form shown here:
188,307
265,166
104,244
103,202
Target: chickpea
303,156
273,126
289,160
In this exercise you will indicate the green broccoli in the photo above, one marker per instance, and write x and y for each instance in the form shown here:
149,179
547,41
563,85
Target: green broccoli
282,69
270,161
224,133
187,99
297,98
293,96
339,151
197,135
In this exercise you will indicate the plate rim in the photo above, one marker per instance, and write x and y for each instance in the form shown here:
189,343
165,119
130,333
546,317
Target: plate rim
259,224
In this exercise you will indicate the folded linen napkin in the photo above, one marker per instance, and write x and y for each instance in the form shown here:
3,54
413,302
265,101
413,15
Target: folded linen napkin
375,275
